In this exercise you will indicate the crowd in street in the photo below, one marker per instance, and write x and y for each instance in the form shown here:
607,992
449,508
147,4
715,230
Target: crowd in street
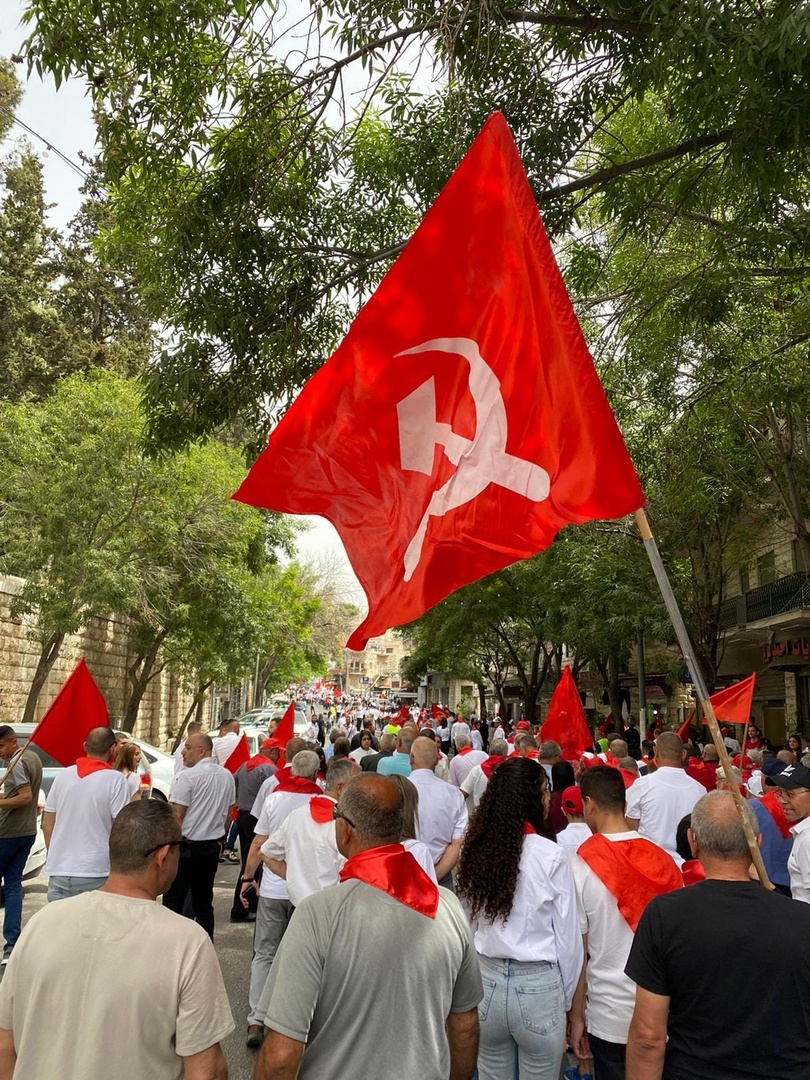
430,898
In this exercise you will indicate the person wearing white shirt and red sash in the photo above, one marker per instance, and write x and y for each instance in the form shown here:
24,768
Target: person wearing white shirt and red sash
376,976
616,872
517,886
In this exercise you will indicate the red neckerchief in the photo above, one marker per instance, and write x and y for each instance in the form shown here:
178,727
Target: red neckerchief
529,830
256,761
87,765
693,872
298,784
465,750
489,766
321,808
395,871
774,808
281,774
634,871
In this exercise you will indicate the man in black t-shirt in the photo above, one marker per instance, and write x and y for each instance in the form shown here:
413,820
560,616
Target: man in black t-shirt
705,1007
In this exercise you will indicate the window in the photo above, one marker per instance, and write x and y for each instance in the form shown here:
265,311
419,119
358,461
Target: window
799,559
766,568
745,581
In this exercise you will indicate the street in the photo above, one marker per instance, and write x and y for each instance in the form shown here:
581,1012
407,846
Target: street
233,944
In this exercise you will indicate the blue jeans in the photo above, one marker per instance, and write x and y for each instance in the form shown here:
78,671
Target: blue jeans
522,1018
60,886
13,854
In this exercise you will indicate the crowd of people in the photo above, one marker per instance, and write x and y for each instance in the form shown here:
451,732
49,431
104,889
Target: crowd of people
430,897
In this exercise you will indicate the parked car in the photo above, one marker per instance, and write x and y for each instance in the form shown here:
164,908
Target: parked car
256,718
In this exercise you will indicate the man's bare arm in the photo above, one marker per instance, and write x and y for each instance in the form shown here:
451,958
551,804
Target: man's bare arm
48,822
647,1038
8,1055
207,1065
279,1058
179,812
22,798
462,1035
452,854
274,866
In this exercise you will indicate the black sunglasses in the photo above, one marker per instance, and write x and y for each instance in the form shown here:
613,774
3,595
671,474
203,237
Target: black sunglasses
157,847
336,815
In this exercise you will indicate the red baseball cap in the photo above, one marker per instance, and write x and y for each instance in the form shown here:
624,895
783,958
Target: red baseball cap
572,800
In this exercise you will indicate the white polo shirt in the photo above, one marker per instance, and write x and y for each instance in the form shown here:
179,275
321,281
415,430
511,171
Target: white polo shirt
475,784
309,850
658,801
208,792
267,788
85,808
799,862
574,834
463,764
442,814
277,808
460,727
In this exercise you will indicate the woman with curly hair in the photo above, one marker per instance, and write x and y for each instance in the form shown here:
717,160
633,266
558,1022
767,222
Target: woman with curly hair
517,887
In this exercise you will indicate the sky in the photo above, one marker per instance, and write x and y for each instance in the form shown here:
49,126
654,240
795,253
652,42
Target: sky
63,119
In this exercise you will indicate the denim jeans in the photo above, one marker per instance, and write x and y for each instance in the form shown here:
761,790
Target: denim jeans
60,886
13,854
522,1019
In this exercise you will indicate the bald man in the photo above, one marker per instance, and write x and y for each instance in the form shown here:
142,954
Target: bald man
442,816
383,934
658,801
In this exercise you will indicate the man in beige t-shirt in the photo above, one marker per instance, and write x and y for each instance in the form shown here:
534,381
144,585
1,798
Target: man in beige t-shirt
110,983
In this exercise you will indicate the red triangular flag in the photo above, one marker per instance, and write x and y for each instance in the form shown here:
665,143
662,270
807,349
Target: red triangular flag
239,755
683,730
75,711
566,723
461,423
286,727
731,706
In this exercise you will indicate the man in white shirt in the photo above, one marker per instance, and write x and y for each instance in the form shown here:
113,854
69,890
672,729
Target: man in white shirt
658,801
82,804
304,850
225,744
465,759
202,797
460,727
117,953
477,779
274,909
442,814
293,747
613,883
193,728
793,792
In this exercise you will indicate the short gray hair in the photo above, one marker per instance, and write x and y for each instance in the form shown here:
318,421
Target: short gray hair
338,772
306,763
463,739
524,740
549,749
718,828
372,821
140,827
388,741
499,747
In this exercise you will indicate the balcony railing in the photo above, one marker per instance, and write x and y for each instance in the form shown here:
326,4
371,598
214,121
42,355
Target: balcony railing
787,594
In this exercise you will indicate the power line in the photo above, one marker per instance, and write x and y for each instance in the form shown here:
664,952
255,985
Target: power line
50,146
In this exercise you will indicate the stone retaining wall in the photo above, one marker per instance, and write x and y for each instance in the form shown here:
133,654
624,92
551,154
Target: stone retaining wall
104,644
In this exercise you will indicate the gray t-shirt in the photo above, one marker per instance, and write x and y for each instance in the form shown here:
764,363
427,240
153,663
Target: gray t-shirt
21,820
352,963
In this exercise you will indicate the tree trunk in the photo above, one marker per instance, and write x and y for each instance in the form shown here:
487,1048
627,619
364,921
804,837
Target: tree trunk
613,692
194,710
47,658
141,673
482,701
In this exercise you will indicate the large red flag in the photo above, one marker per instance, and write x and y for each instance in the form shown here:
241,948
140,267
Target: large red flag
286,727
461,423
238,756
75,711
731,706
566,723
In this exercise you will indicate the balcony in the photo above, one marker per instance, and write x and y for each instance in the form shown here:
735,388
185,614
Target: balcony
788,594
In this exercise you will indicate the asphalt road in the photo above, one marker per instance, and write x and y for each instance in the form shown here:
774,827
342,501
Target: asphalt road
233,943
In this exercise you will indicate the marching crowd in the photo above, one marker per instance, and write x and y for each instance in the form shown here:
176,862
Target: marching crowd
430,898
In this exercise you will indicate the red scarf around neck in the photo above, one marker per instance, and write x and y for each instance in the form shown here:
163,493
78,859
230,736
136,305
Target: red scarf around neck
256,761
634,871
395,871
87,765
489,766
321,809
465,750
298,784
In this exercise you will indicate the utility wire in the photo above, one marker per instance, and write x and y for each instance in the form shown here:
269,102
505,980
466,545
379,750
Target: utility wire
50,146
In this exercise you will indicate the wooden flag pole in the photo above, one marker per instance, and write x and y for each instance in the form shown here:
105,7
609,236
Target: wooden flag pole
702,692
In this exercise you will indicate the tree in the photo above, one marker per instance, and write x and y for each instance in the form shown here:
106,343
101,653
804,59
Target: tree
258,205
72,479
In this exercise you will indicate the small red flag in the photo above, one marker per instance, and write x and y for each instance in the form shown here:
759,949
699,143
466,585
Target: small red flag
461,423
731,706
75,711
286,727
566,723
238,756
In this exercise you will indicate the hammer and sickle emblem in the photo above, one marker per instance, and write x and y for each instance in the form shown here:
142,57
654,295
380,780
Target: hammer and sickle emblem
480,461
